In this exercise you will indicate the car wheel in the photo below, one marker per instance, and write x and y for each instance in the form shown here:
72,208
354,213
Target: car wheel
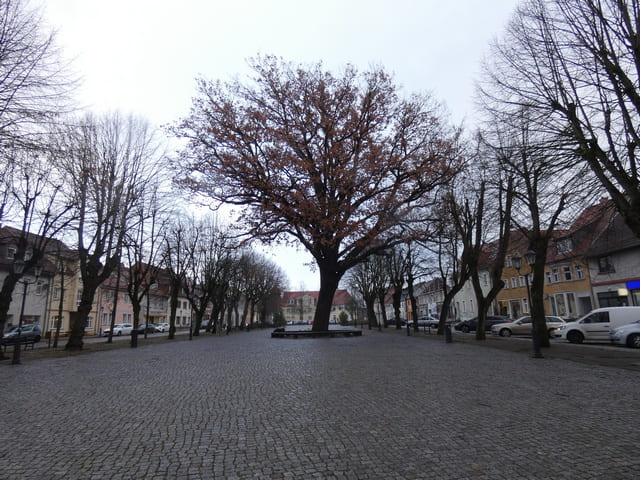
36,338
505,332
465,328
633,340
575,337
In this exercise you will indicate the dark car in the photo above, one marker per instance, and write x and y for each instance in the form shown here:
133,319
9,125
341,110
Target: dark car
150,328
392,322
29,333
471,324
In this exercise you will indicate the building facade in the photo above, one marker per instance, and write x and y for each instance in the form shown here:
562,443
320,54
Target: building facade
300,307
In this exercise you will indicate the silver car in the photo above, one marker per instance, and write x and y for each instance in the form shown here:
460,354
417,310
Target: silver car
628,335
522,326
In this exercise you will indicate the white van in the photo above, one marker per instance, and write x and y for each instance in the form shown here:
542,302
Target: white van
596,324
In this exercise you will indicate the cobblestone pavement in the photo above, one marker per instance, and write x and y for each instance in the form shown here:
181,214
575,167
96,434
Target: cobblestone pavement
380,406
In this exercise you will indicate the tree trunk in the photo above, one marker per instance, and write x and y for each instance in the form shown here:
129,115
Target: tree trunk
371,314
383,311
80,321
537,294
6,295
114,308
135,306
173,307
414,303
397,299
329,281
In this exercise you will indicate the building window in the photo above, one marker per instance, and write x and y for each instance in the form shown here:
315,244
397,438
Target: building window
11,253
577,269
508,261
505,284
547,275
485,279
605,264
525,305
564,305
56,293
78,298
514,283
555,275
39,286
566,273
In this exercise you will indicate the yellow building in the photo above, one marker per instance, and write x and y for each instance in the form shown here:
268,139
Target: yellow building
567,284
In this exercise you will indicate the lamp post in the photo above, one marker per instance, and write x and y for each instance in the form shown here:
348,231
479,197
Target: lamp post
18,268
516,261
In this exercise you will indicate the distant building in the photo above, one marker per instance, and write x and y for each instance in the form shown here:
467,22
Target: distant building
300,307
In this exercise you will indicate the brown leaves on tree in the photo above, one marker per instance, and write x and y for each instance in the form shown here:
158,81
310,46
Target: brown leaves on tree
335,161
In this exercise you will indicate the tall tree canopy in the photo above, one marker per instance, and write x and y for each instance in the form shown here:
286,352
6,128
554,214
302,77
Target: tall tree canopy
333,161
575,66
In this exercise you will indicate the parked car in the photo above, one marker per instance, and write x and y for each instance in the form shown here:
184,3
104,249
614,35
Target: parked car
162,327
119,329
29,332
149,327
522,326
470,325
597,324
628,335
426,321
392,322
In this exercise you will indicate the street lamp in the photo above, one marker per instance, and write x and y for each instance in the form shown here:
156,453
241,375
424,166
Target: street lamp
516,261
18,268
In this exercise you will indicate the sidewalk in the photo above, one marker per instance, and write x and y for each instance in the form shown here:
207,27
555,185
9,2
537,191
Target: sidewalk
588,353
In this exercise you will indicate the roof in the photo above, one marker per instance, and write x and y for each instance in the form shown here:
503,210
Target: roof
618,236
341,297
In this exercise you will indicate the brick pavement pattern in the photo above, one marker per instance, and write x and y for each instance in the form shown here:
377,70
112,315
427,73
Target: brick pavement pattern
380,406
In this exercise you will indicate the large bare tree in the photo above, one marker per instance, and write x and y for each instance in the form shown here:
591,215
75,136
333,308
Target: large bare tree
109,162
334,162
575,66
34,83
37,214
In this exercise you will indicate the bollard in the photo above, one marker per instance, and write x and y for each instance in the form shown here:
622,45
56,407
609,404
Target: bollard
447,334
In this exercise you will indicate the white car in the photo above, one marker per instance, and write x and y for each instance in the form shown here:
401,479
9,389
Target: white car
628,335
162,327
120,329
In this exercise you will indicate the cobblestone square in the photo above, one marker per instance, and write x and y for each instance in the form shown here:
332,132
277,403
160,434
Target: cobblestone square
380,406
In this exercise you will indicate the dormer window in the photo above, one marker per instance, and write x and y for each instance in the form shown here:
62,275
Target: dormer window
11,253
564,246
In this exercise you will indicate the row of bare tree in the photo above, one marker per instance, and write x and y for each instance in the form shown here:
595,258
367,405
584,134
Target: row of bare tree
102,184
560,96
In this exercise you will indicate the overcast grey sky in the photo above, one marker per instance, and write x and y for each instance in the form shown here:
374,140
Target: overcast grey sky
142,56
